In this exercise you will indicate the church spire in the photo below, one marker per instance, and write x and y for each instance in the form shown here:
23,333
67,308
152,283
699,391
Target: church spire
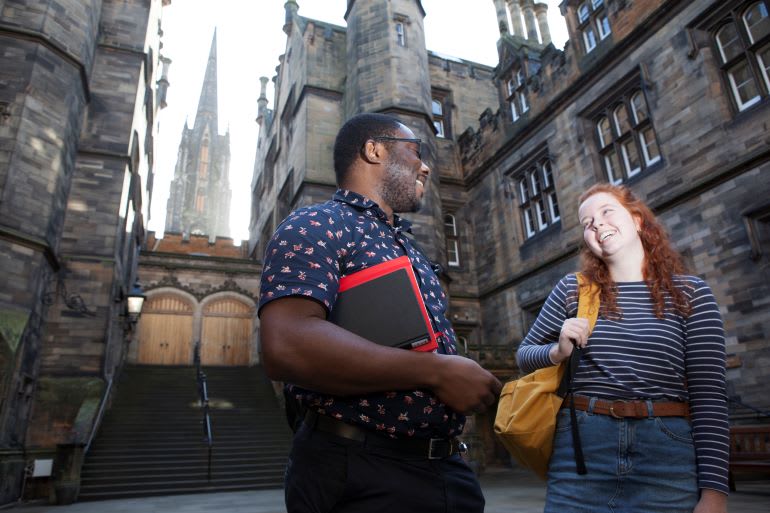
207,104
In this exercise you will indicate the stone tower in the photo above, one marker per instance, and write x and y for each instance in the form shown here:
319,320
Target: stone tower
387,72
199,199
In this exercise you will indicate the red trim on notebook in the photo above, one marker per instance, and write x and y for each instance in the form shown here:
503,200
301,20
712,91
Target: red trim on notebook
387,267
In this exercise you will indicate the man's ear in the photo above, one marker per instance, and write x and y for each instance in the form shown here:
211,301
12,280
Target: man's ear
372,152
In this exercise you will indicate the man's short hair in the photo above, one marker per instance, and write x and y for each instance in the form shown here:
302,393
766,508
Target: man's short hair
354,134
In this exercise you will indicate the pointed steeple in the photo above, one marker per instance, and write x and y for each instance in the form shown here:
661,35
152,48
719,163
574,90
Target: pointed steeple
207,104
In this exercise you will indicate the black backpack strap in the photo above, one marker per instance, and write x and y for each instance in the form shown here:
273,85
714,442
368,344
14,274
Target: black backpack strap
577,445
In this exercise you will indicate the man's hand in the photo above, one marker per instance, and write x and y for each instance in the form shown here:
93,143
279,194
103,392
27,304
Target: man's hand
464,385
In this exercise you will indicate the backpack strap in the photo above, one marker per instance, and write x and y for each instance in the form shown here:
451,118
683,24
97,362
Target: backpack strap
588,308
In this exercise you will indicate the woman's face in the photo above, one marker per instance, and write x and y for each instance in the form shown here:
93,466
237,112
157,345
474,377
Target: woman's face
609,229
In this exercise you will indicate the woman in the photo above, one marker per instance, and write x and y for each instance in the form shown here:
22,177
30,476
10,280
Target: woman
650,388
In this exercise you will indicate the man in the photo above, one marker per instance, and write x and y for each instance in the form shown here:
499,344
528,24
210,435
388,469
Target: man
380,430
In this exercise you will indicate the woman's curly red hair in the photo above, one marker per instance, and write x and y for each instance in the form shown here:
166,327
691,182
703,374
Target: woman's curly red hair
661,260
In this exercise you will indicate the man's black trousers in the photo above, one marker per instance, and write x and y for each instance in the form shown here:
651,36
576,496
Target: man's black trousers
330,474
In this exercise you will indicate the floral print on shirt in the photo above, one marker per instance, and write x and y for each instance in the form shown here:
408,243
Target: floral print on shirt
310,251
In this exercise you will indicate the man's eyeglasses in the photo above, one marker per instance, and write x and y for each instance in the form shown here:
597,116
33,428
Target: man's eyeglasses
418,142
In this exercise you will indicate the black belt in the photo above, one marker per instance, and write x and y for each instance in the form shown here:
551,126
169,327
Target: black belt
431,449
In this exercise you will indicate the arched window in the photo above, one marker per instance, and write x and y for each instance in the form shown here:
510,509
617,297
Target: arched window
516,87
743,45
604,132
757,21
538,203
627,145
592,19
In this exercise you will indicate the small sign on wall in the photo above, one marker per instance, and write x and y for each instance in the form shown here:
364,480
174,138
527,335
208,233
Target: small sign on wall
42,468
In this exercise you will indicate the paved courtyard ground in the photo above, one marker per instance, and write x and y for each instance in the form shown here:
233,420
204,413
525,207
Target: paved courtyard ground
506,491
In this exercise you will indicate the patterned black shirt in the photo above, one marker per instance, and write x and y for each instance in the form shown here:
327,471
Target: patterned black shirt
310,251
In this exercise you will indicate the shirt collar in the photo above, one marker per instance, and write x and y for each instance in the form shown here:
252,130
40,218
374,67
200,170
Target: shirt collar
363,203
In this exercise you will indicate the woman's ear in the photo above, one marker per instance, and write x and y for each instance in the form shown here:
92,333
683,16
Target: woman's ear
638,223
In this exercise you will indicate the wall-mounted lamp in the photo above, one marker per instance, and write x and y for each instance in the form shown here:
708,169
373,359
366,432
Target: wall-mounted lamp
73,302
135,301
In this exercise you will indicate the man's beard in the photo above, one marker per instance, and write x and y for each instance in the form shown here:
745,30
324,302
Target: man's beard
399,189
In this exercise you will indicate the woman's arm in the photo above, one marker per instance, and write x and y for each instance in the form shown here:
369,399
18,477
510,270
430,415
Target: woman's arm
534,351
705,371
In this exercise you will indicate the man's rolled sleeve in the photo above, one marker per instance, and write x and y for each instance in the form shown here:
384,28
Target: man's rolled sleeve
300,260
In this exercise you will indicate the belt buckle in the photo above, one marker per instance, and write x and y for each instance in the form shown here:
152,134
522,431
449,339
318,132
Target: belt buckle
612,408
435,443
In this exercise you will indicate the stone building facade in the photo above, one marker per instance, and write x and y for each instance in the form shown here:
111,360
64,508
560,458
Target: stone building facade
671,98
202,294
82,81
199,196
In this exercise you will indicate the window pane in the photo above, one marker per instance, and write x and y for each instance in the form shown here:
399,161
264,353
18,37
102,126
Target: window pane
554,204
605,135
400,37
438,109
523,102
597,3
639,106
529,223
439,125
542,217
511,87
547,174
520,78
763,56
757,21
514,112
583,13
613,168
452,253
649,146
524,189
450,227
589,38
744,87
621,120
536,185
604,26
729,44
631,157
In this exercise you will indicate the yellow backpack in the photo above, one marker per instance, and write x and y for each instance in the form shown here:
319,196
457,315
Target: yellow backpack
526,412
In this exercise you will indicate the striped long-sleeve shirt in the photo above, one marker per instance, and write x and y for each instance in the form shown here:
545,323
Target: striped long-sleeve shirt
642,357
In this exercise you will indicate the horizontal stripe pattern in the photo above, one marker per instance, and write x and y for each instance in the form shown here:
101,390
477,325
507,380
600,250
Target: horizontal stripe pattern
642,357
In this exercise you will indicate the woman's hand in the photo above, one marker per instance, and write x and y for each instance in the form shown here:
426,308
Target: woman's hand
711,501
574,332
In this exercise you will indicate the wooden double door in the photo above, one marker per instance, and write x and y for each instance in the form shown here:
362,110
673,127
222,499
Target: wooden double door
226,333
167,331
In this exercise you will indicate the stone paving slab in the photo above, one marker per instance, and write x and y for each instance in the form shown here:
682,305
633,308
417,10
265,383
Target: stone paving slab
506,491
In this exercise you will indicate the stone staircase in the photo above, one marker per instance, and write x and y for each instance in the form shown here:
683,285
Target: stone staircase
151,441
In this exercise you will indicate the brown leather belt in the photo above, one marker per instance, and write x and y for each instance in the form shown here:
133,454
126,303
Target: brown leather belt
431,449
630,409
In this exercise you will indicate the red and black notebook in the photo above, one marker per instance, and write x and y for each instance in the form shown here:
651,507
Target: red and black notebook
383,304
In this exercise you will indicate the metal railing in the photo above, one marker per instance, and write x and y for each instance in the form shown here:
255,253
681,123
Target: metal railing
99,414
203,397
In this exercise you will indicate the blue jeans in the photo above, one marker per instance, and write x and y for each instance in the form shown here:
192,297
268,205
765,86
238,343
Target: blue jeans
326,473
634,466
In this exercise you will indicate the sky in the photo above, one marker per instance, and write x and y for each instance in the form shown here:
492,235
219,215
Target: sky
250,39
